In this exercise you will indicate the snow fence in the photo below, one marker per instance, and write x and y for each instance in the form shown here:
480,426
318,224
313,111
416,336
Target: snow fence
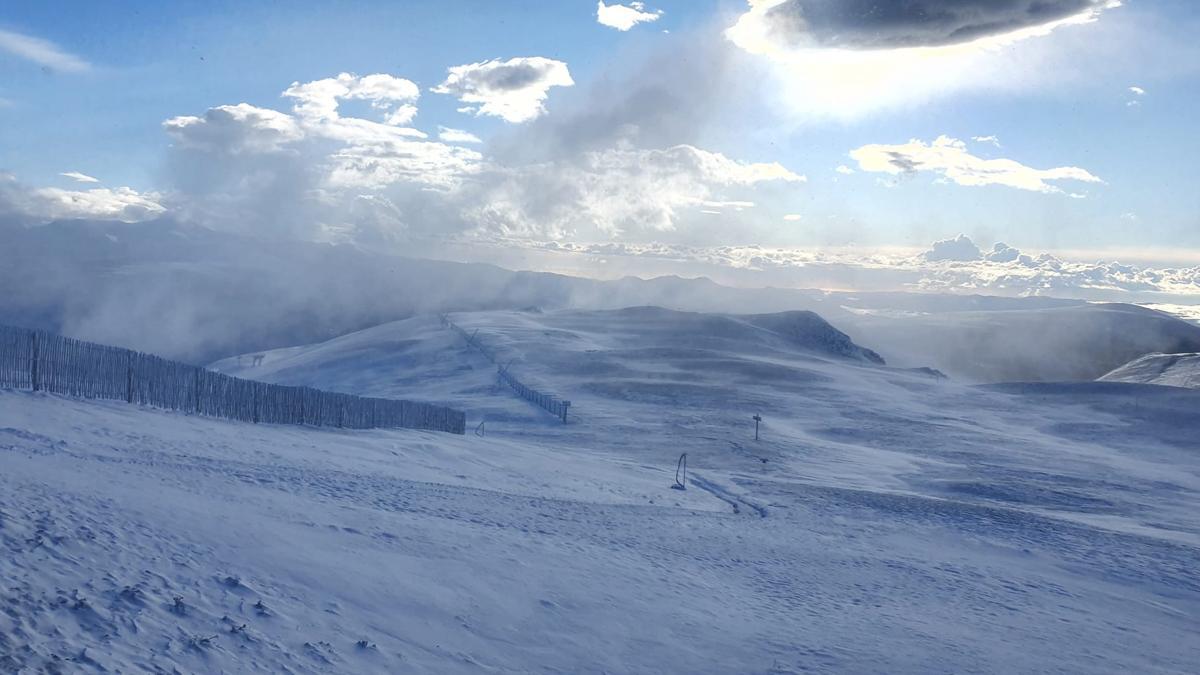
548,402
46,362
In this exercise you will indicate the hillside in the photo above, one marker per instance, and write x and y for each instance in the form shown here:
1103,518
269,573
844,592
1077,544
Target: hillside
887,520
1172,370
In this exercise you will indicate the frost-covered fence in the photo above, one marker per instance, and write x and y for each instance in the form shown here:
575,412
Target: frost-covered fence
46,362
555,406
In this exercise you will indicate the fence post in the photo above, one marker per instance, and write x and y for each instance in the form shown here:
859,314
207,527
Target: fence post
129,377
33,363
565,405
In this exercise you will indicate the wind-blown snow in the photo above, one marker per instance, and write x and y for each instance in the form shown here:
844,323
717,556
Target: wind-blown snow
887,522
1172,370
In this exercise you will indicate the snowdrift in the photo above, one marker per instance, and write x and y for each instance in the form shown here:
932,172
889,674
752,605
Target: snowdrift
1172,370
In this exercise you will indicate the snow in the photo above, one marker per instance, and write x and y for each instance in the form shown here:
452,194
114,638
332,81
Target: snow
1171,370
889,521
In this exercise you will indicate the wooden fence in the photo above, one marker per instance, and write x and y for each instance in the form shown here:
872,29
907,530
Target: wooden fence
45,362
555,406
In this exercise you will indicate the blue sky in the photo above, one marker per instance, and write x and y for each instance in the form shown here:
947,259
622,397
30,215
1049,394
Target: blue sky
1057,100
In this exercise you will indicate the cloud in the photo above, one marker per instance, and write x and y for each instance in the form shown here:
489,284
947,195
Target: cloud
793,217
872,25
124,204
949,158
40,205
620,191
79,177
991,140
844,170
365,153
514,90
394,97
42,52
845,59
1137,92
312,172
624,17
1002,253
235,129
456,136
961,248
734,205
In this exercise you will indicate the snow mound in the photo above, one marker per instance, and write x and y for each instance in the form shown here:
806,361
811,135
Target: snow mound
802,330
809,331
1172,370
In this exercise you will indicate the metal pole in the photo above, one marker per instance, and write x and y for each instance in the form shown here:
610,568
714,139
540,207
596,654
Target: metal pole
757,419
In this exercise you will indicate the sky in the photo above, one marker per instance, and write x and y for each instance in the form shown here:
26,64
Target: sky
811,125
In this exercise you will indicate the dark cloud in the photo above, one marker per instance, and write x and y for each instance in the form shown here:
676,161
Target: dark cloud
890,24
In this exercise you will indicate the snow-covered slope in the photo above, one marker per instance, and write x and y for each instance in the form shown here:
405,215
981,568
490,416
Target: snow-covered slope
1172,370
887,521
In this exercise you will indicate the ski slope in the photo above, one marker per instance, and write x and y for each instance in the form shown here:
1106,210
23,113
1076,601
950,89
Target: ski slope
888,520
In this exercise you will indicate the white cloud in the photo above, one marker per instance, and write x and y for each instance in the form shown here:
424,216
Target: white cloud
624,17
793,217
844,170
394,97
366,154
456,136
961,248
514,90
618,191
735,205
235,129
79,177
122,204
1137,92
991,140
949,158
42,52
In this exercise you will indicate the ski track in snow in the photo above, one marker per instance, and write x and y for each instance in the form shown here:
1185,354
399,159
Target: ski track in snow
896,540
